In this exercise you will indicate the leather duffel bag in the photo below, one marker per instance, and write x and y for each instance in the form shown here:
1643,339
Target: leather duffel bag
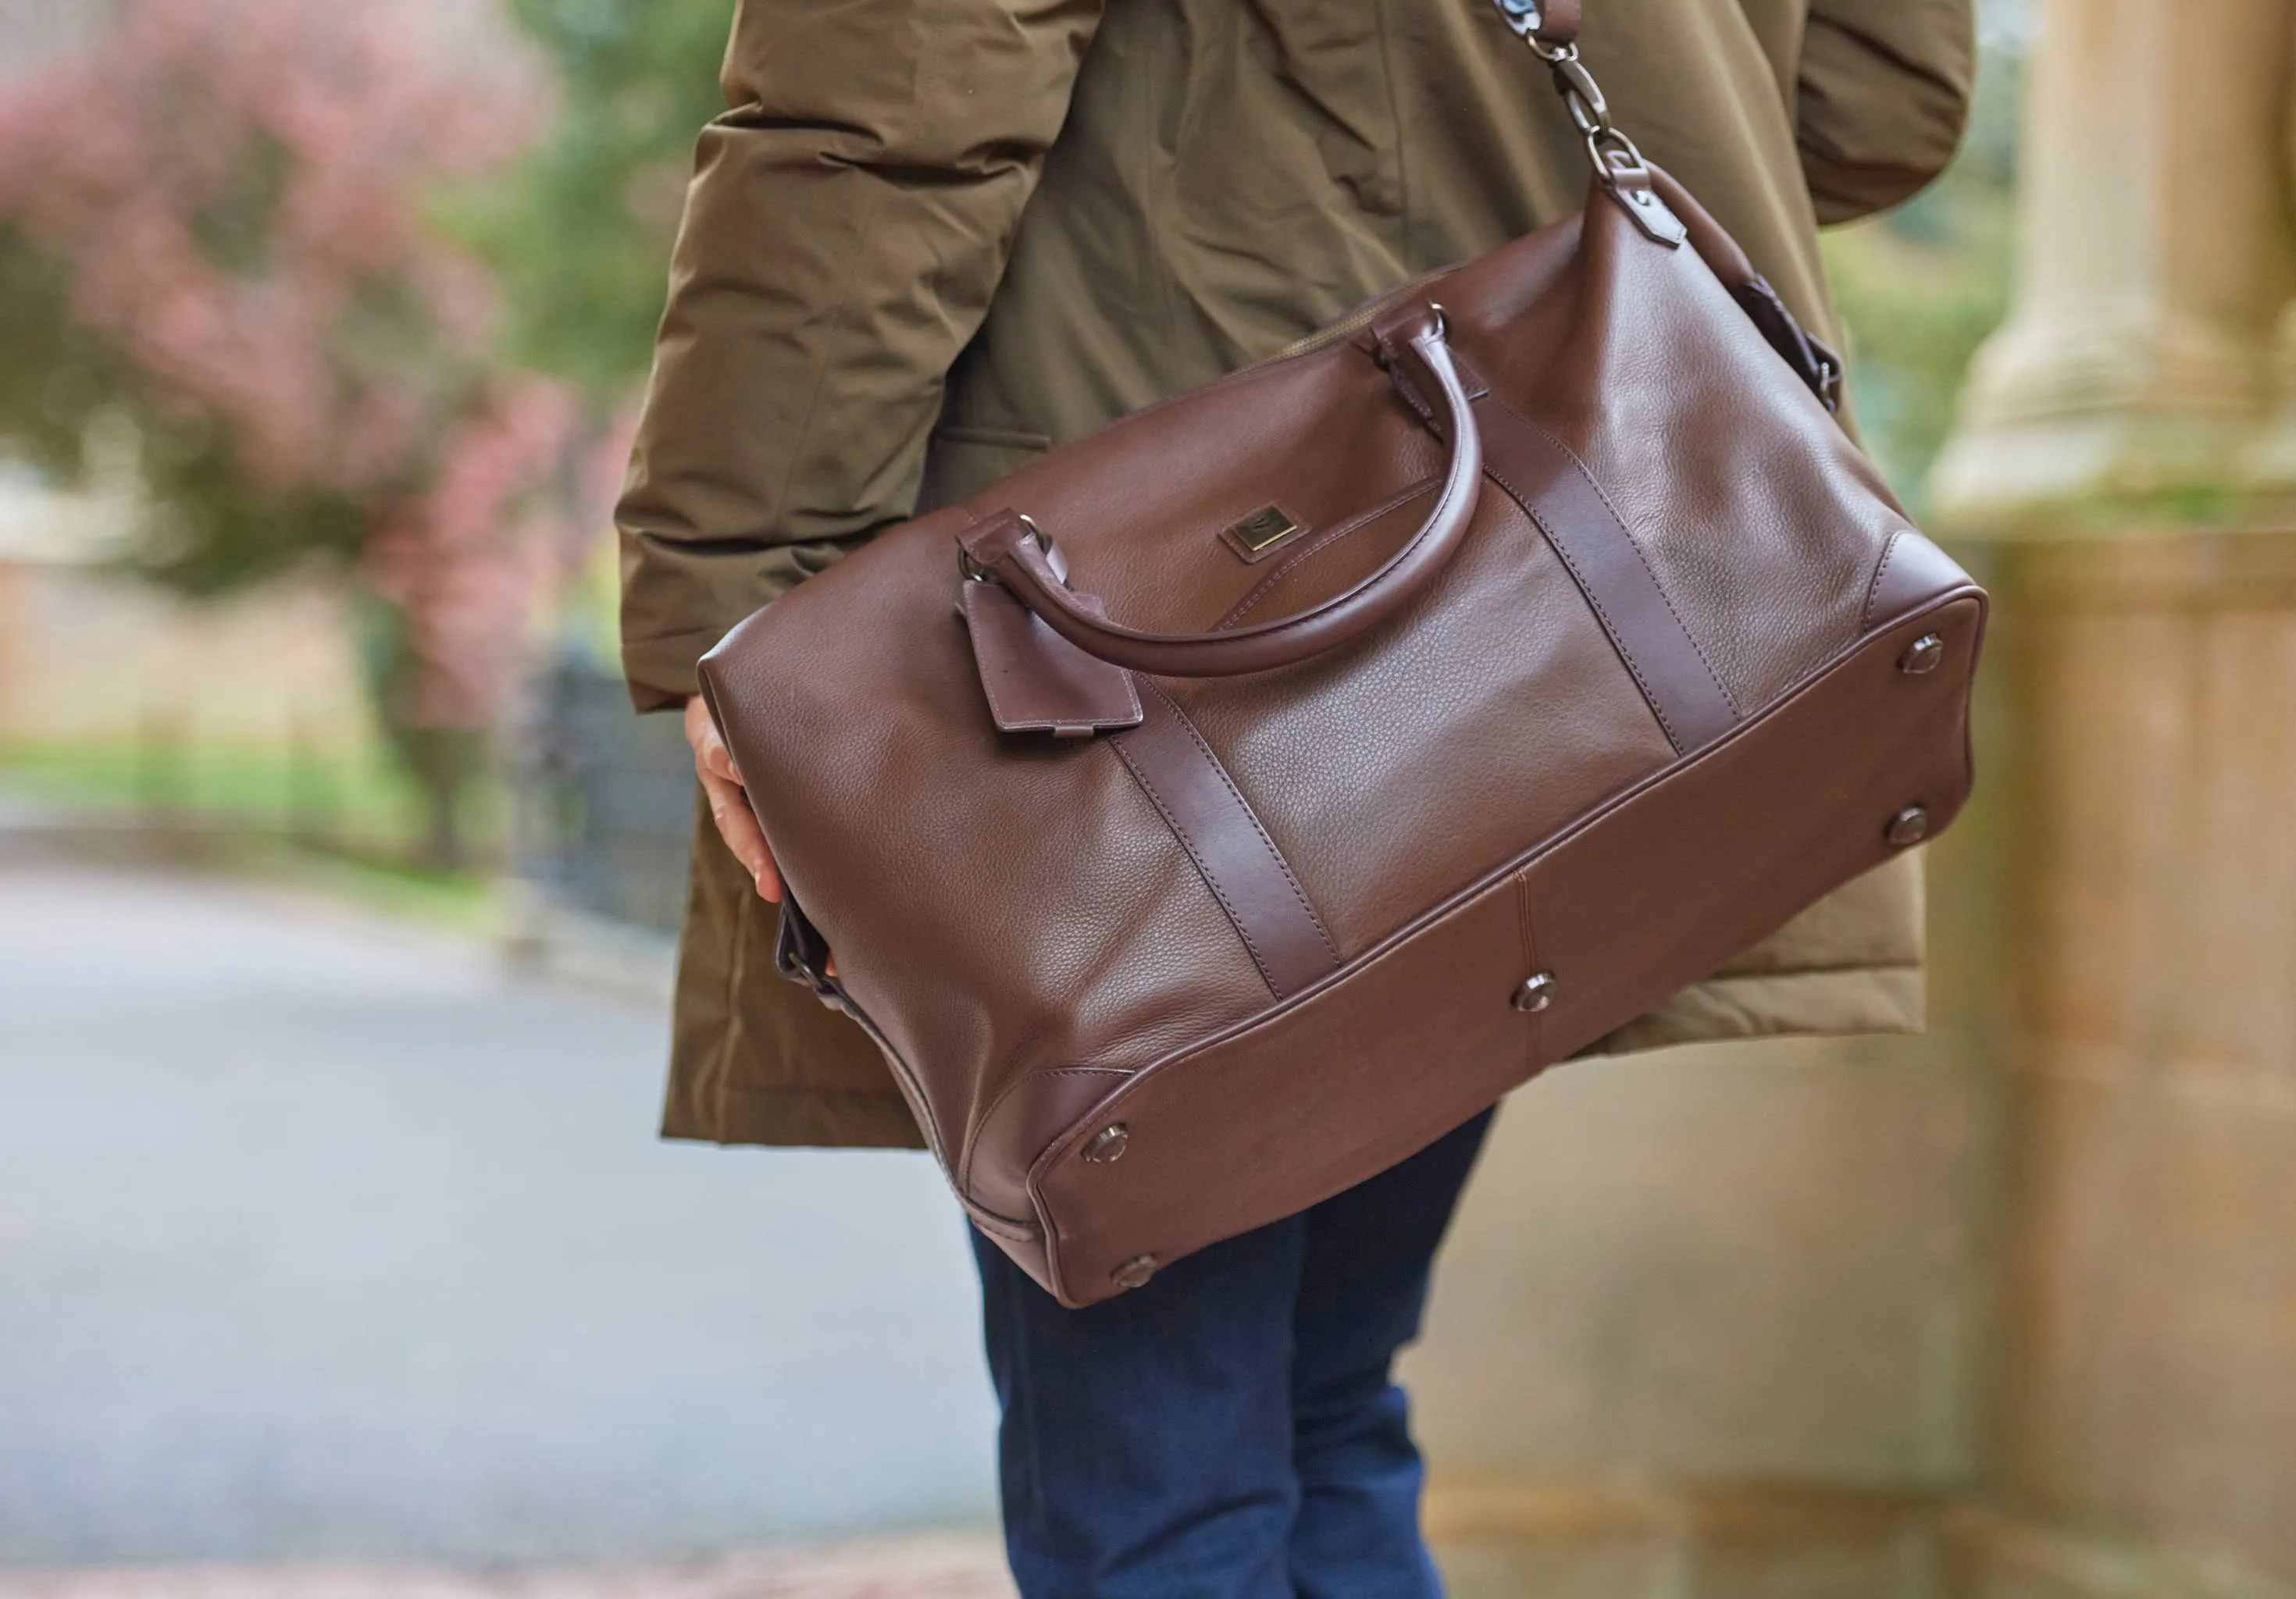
1229,803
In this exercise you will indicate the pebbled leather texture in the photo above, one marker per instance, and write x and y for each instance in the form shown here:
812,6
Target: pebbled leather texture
1817,365
1012,1131
1276,928
1240,865
1552,486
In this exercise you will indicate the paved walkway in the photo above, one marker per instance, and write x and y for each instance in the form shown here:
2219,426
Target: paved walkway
322,1241
939,1569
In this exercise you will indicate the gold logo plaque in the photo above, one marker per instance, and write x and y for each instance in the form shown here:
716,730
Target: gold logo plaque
1263,527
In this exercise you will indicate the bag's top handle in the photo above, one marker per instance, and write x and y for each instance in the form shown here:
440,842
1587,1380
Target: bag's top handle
1010,549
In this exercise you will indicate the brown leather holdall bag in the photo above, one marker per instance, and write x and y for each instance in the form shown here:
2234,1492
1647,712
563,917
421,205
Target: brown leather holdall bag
1229,803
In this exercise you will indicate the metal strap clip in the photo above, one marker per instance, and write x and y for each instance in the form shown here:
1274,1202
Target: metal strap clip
1614,153
1523,17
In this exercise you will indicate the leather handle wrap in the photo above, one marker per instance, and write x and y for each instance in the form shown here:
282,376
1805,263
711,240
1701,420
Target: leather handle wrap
1007,548
1558,22
1553,23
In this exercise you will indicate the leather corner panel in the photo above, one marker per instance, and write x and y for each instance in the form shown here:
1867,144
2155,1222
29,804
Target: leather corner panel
1030,1113
1911,572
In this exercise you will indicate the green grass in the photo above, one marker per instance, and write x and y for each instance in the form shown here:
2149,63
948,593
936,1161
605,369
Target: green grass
356,794
356,799
462,901
346,822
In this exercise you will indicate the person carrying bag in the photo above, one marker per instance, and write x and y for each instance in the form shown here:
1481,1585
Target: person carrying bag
1198,827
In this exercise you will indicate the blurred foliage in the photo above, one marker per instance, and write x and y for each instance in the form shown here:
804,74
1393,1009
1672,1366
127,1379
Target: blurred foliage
1920,288
210,230
219,238
579,231
211,526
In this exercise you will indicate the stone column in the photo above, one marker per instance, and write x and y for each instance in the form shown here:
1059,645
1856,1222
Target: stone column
2155,264
2126,445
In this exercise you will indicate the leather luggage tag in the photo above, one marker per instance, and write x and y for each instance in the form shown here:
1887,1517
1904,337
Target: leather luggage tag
1036,680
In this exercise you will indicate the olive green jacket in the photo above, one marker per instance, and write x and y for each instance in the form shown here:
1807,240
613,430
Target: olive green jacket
932,237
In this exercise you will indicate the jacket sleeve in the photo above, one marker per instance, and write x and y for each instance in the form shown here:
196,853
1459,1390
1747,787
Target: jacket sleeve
848,219
1883,96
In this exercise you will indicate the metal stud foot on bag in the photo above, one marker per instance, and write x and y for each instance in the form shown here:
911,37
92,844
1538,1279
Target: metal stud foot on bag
1909,826
1108,1145
1536,994
1923,656
1134,1273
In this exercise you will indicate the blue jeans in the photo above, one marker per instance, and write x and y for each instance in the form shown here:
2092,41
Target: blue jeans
1231,1431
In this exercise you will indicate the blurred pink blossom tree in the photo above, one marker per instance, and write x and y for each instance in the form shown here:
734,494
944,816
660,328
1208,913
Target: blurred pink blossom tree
216,221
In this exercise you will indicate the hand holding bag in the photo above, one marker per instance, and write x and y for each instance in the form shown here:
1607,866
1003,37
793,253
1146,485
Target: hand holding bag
1230,803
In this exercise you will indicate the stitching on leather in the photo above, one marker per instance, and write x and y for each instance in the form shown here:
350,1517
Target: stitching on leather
1132,695
1220,769
972,1139
1529,931
1873,587
1604,495
1532,964
988,1221
1196,857
1321,542
1592,598
988,682
1044,724
1278,629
